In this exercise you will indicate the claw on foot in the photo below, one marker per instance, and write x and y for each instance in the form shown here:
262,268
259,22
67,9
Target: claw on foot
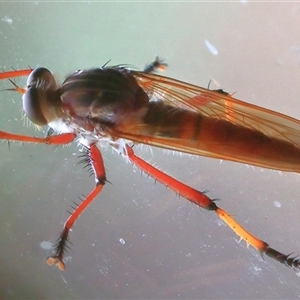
54,260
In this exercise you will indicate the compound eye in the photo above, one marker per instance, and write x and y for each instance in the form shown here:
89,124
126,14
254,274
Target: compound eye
40,85
41,78
33,107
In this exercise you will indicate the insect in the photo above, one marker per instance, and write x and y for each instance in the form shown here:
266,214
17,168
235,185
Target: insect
119,106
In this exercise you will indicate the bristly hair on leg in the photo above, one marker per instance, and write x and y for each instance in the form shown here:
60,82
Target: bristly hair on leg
86,160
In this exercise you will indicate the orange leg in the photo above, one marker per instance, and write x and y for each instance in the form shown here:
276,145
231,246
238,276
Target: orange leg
203,201
15,73
60,139
94,159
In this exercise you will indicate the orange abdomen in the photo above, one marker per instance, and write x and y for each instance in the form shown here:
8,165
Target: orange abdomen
194,133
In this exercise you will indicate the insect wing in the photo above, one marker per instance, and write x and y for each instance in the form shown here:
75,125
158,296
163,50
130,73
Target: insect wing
217,104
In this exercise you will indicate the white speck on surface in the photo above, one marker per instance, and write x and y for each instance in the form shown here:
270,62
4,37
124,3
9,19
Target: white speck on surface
64,280
212,49
46,245
7,19
277,204
122,241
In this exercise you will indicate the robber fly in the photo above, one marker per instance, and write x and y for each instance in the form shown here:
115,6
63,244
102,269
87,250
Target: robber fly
119,106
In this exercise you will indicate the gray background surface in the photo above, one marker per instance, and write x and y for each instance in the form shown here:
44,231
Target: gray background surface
172,249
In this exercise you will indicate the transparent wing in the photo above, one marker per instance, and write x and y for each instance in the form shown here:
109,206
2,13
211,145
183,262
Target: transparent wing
217,104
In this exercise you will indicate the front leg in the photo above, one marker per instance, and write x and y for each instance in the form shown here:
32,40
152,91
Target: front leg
94,159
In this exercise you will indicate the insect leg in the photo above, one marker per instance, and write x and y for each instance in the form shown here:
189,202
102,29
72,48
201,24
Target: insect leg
15,73
203,201
64,138
95,160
